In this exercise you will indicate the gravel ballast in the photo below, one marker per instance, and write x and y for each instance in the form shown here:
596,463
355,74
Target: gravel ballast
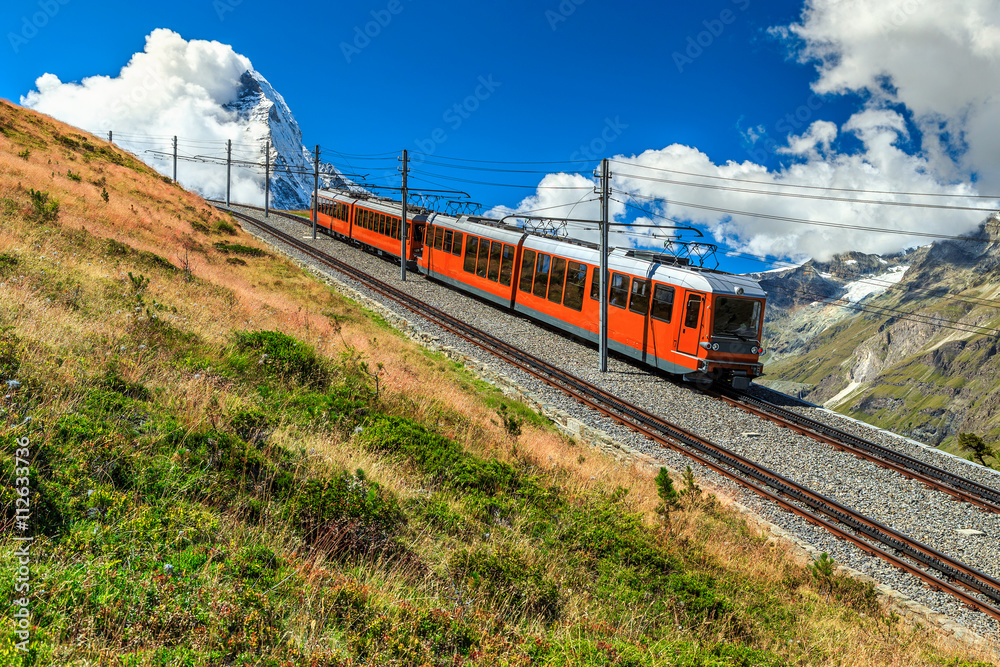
905,505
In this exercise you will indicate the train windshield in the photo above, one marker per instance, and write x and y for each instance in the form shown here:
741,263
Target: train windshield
736,317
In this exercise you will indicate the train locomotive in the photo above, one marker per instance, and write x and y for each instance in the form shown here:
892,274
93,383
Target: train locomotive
702,324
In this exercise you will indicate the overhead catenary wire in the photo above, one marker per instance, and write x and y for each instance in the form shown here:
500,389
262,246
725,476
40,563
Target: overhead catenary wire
818,223
808,187
799,195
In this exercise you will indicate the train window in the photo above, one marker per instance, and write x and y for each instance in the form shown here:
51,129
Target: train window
383,224
737,318
693,311
507,265
456,247
365,216
619,290
595,284
527,270
447,240
558,277
484,258
471,246
395,228
541,275
438,237
576,279
663,303
639,302
495,251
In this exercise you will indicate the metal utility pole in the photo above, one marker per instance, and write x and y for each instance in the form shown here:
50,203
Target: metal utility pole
175,158
402,224
267,177
315,189
605,193
110,136
229,167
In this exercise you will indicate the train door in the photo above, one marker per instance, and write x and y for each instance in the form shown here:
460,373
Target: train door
690,331
662,331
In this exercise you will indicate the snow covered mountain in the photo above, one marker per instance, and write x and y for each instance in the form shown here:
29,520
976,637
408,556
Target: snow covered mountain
266,116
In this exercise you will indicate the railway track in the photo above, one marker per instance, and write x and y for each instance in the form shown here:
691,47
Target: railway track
963,489
974,588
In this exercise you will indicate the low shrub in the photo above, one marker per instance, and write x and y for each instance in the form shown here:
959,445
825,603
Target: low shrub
507,578
44,208
346,513
275,354
238,249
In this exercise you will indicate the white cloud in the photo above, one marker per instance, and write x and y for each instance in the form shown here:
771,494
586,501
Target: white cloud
930,62
938,58
174,87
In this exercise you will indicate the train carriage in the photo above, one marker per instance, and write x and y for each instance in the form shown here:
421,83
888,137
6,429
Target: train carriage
372,222
334,213
478,258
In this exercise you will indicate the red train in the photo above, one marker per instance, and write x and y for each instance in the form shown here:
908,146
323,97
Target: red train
699,323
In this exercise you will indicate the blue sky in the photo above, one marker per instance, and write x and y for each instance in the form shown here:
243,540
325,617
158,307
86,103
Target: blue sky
516,81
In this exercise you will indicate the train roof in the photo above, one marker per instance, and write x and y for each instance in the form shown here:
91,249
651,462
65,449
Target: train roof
468,225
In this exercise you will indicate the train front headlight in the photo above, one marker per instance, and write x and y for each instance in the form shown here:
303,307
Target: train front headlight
715,347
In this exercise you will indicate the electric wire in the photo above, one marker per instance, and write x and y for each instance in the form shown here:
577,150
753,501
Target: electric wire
799,195
808,187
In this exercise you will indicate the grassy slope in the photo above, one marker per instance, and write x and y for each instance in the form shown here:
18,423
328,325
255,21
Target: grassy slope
244,468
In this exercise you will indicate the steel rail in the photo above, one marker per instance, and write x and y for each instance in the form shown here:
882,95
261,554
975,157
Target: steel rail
963,489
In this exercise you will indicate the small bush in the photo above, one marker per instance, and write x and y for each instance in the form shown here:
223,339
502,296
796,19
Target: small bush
25,154
73,177
238,249
236,261
225,228
117,248
114,382
347,513
7,263
44,208
275,354
506,577
153,260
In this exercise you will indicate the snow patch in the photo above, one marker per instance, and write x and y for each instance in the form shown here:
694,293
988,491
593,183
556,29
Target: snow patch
859,290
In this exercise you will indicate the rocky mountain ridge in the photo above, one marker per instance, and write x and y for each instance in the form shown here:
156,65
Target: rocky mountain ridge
268,118
918,357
